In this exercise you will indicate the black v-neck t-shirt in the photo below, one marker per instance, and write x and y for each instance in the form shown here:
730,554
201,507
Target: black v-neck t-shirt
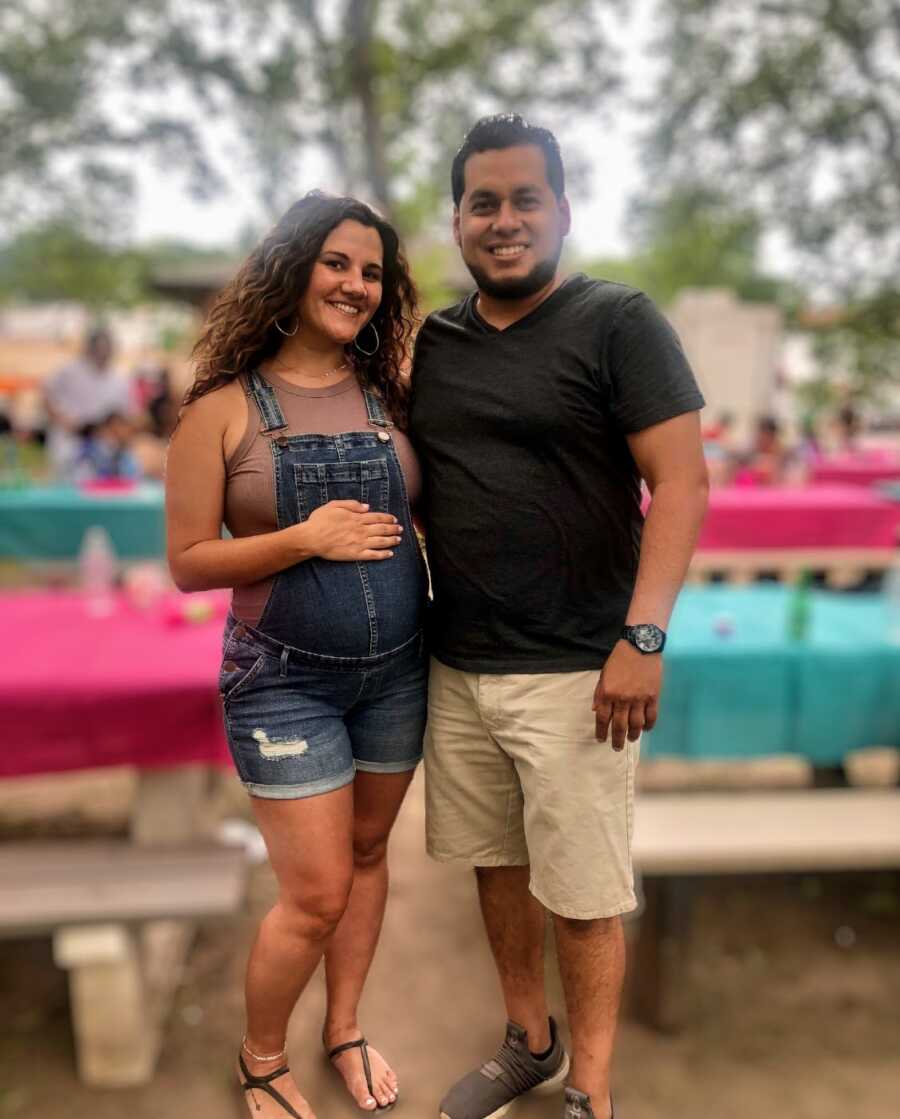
531,499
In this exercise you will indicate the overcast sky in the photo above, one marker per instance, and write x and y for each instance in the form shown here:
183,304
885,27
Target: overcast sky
164,210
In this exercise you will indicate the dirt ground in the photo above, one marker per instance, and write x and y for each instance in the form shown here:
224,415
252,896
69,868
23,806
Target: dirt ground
793,993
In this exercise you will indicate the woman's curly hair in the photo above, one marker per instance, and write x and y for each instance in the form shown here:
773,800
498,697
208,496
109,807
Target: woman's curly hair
240,330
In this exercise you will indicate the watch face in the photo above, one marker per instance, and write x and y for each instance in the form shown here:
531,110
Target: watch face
648,638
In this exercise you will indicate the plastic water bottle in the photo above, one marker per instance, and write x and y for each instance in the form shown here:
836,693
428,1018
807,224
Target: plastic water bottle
799,609
892,603
97,571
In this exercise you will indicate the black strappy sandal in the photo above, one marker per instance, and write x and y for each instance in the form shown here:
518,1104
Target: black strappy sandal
363,1046
251,1083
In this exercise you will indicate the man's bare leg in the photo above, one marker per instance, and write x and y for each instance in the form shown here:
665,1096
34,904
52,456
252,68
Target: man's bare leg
592,966
516,924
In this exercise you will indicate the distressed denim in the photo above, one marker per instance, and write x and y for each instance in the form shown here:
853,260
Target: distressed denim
300,724
334,677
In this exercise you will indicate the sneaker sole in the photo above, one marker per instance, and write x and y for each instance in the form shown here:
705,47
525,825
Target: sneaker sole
546,1087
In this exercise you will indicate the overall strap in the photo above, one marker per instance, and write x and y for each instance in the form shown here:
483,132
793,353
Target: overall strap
375,411
267,403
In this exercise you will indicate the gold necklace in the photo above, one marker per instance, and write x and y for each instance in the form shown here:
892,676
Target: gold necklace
303,373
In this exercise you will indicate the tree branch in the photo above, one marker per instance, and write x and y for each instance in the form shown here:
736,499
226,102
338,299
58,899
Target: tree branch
364,87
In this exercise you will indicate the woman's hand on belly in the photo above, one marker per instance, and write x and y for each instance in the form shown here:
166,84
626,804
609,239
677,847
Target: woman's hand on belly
346,530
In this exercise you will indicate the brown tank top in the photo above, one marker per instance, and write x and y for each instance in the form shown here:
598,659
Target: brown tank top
250,478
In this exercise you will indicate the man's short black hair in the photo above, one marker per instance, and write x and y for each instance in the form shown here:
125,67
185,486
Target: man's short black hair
507,130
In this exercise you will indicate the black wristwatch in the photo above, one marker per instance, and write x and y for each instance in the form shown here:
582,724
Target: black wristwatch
646,638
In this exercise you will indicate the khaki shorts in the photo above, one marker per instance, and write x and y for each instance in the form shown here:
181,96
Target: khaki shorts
515,776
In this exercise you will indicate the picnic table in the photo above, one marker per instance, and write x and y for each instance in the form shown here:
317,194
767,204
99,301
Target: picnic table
819,516
738,687
843,529
131,688
863,468
136,687
48,523
683,839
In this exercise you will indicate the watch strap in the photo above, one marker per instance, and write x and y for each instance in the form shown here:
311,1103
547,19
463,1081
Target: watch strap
629,633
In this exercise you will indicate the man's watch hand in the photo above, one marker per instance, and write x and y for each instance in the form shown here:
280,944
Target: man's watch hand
626,699
645,637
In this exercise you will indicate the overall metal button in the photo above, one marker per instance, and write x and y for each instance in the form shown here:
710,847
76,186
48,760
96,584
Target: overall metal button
384,437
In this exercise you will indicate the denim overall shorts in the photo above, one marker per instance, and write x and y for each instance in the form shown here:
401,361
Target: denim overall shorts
334,676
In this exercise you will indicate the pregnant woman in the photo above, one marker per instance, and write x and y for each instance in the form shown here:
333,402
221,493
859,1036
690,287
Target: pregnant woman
292,436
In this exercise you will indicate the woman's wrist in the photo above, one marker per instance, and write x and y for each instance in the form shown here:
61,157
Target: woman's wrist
300,542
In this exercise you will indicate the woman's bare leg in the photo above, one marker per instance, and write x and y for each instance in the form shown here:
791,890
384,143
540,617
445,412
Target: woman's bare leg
377,800
314,882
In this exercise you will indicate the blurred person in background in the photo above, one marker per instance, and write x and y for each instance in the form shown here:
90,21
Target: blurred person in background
153,386
83,391
161,406
847,429
539,402
765,462
720,431
809,445
105,453
719,450
806,452
292,433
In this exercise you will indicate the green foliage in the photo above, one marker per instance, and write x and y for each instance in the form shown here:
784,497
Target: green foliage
431,263
383,89
85,86
386,89
858,354
794,108
694,238
57,261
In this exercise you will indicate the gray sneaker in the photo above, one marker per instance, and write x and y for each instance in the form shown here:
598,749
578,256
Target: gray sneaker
489,1092
578,1106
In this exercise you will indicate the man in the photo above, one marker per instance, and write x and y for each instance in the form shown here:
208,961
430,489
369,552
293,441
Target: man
538,405
84,391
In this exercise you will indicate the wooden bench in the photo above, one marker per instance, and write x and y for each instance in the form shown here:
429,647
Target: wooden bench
841,567
121,917
682,837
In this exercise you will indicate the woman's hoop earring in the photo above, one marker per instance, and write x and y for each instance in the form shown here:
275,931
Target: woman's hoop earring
288,333
368,353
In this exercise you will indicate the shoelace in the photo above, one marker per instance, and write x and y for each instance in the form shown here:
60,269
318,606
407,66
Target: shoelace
521,1076
573,1110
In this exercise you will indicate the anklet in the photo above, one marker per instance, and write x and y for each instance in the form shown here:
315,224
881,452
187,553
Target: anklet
256,1056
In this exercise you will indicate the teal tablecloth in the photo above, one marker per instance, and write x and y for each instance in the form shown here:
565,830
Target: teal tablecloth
755,692
49,522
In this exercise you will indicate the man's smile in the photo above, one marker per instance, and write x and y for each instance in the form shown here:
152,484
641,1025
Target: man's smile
507,251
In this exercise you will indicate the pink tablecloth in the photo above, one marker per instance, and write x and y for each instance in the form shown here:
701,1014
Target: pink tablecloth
798,517
857,470
129,689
